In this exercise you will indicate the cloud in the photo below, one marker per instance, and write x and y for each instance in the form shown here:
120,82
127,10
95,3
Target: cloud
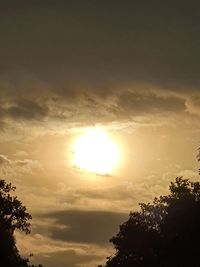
148,102
4,161
21,153
59,82
5,165
26,165
51,252
69,258
26,109
85,226
11,166
51,111
193,105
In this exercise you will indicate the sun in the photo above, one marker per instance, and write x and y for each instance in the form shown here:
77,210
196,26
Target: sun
96,152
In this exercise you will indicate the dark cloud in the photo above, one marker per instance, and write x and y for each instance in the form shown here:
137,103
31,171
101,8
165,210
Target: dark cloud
85,226
90,107
69,59
95,44
136,103
26,109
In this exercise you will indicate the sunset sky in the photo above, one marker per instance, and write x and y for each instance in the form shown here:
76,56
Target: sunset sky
129,69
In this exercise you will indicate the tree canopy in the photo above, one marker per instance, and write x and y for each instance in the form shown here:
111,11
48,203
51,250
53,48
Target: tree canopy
163,233
13,216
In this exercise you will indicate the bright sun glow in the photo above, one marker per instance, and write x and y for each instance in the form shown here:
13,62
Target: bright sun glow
96,152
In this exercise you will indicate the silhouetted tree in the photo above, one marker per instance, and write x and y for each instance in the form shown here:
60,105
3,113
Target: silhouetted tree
163,233
13,216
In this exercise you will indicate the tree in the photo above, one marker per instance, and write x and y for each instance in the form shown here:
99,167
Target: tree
163,233
13,216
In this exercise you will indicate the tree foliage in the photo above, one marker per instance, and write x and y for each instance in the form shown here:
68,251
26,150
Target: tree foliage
163,233
13,216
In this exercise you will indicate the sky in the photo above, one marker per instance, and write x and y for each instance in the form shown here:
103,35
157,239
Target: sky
130,68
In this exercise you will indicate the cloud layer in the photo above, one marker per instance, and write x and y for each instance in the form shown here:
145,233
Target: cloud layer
85,226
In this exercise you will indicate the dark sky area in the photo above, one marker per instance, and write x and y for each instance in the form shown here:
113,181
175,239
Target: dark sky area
101,42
